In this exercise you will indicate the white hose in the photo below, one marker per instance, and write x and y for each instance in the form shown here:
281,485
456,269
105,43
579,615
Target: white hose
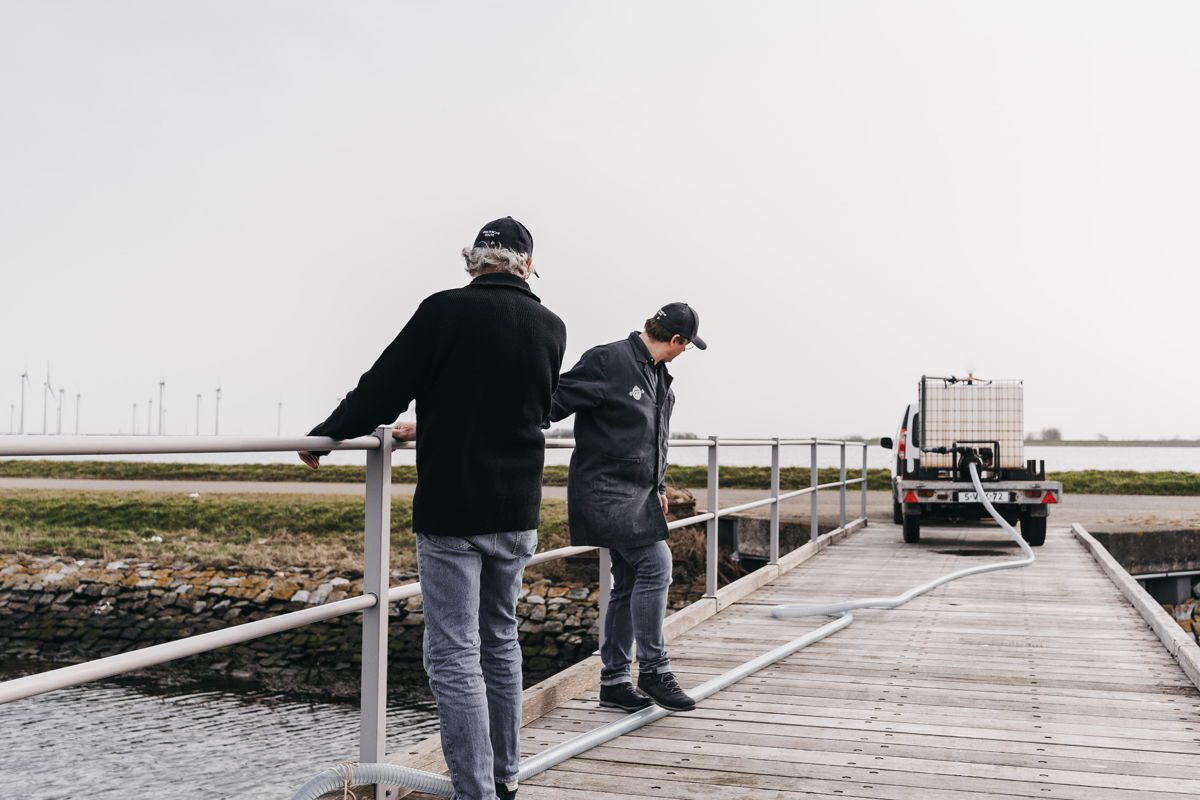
392,775
332,780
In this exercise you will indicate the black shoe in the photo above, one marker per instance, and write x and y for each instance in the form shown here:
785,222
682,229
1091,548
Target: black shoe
664,690
505,793
624,697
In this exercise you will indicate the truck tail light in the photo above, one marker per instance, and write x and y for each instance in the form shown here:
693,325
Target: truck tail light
925,492
1033,492
911,497
902,448
1049,500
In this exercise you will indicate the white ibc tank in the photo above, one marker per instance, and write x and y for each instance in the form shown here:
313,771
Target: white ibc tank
972,413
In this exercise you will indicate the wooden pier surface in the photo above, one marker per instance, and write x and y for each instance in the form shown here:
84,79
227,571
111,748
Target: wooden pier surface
1037,682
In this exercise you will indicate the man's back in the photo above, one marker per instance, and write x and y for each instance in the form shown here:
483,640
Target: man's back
482,363
495,360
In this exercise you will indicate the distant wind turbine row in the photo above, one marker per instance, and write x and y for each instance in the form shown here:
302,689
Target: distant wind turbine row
16,423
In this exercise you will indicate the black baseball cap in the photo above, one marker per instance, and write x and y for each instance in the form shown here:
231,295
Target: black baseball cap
506,233
681,319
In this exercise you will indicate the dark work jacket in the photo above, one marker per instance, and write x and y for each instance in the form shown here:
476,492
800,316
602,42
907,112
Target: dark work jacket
482,363
619,465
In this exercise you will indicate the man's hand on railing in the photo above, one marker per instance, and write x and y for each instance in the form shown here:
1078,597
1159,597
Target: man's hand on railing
405,432
308,458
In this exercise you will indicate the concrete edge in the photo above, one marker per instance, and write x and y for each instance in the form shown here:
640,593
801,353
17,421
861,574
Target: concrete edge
1181,646
542,698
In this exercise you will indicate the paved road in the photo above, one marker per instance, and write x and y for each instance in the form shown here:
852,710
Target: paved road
1095,511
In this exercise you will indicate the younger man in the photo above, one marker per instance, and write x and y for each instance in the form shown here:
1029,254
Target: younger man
616,494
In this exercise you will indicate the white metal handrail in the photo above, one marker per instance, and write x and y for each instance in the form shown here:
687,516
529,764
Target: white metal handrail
376,540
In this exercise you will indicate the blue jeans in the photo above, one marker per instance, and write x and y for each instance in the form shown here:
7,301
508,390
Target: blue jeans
470,586
636,607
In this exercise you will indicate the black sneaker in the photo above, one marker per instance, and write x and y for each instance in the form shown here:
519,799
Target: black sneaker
506,791
624,697
664,690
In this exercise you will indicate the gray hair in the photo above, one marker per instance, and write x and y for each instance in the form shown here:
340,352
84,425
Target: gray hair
481,260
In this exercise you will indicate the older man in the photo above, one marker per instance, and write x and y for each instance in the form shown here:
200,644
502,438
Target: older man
482,363
621,396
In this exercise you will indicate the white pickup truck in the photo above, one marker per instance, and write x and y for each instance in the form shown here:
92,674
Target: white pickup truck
957,421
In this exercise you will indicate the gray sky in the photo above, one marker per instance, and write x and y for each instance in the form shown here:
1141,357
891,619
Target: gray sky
850,193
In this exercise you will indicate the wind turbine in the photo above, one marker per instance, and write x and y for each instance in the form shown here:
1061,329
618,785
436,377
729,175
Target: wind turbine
24,381
149,416
133,424
47,389
217,418
61,392
78,396
162,410
197,413
279,419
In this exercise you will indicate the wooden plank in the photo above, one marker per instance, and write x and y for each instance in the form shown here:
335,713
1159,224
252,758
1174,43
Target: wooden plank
925,747
1183,698
784,705
887,769
741,717
771,773
931,747
916,655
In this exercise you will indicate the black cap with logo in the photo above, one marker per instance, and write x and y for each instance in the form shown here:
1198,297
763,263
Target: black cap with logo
508,234
681,319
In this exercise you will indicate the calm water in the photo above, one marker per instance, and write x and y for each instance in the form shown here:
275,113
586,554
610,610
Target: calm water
109,741
1143,459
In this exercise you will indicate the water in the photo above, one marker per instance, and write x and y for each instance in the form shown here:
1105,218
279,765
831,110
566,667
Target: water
1058,459
116,741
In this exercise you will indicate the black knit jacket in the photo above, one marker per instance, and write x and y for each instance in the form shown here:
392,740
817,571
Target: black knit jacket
482,363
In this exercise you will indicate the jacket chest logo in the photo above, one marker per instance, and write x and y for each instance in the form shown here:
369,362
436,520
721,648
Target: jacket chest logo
636,393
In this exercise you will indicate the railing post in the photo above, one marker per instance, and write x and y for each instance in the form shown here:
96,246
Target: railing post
710,571
842,489
605,588
864,485
814,531
376,561
774,557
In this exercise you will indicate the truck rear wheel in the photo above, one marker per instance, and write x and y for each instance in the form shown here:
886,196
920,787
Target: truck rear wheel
1033,530
912,529
897,512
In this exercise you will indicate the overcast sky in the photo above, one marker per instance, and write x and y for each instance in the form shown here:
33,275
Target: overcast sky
850,193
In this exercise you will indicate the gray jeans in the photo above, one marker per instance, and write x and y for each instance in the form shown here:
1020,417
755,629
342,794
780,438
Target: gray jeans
636,607
470,586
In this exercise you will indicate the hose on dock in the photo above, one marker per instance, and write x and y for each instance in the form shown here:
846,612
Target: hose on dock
428,782
345,775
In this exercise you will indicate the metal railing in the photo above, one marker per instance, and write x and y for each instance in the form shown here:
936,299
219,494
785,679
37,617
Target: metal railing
376,551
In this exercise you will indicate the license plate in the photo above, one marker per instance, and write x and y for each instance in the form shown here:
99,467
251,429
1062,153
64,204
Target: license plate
995,497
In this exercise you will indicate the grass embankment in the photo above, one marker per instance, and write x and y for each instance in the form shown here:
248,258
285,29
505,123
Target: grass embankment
249,530
1077,482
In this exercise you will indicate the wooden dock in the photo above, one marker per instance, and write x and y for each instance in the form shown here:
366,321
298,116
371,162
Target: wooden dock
1038,682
